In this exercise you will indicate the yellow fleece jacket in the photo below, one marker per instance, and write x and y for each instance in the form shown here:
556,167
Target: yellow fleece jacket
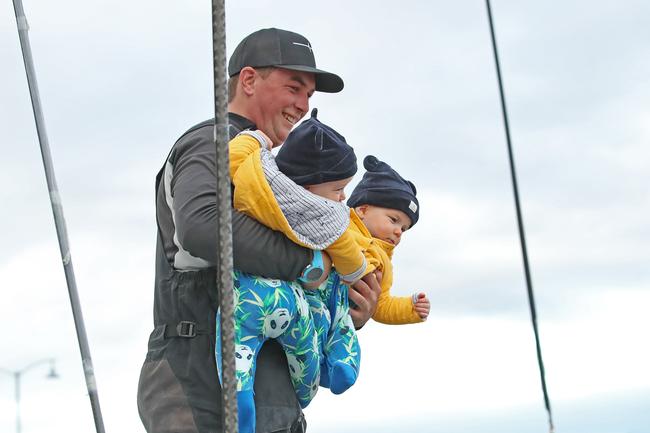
254,197
392,310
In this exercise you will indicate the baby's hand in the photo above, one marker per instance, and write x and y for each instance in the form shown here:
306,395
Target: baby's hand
269,143
421,305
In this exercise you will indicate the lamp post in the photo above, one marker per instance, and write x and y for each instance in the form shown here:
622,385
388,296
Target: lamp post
17,375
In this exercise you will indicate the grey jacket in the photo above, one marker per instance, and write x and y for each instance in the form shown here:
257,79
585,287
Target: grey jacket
178,389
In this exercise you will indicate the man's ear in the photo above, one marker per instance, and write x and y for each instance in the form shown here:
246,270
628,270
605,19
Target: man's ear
247,77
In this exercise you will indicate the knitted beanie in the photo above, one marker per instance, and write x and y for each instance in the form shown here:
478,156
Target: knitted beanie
315,153
384,187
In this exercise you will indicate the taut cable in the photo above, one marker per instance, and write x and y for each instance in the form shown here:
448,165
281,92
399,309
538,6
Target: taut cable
522,236
59,220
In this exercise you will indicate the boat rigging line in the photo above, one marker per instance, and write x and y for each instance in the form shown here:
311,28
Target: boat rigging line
59,220
522,236
224,244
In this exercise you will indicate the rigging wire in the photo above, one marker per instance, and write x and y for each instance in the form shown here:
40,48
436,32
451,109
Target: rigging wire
57,210
224,248
522,236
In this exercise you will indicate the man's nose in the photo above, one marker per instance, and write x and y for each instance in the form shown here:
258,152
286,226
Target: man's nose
302,104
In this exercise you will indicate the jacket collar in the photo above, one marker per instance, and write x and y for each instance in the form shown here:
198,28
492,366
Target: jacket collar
240,122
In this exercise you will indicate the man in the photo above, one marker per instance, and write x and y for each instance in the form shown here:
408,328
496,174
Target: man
273,75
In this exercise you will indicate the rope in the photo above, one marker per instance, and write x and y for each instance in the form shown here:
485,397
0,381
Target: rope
224,253
59,220
522,236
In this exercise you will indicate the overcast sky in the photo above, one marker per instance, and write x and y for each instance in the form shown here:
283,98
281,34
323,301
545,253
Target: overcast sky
120,82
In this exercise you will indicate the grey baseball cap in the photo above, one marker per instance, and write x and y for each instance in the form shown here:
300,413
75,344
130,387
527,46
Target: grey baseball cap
283,49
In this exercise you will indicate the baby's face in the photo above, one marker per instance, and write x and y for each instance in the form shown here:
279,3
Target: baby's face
333,190
384,223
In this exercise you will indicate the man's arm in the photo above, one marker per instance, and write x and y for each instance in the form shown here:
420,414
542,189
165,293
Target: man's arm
256,249
261,251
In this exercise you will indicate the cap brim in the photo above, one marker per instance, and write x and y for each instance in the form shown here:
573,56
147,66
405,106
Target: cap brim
325,81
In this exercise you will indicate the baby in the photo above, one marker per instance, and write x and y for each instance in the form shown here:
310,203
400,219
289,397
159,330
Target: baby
276,309
384,207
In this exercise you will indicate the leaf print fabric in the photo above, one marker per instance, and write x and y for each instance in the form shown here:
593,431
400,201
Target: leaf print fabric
313,327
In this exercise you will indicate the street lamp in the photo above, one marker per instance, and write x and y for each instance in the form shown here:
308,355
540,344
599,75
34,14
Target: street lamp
17,375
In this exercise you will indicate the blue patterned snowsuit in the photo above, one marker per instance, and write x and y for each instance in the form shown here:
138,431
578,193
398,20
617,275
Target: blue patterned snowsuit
337,340
315,331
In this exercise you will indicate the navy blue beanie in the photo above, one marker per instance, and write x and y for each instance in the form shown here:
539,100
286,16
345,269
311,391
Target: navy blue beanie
315,153
384,187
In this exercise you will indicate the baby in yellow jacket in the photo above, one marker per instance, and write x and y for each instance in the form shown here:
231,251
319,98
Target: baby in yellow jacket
384,206
307,207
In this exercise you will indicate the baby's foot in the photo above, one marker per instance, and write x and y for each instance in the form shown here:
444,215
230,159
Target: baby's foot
342,377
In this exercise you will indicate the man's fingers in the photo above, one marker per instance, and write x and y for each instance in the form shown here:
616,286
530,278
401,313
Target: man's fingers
361,288
365,299
355,315
357,298
373,283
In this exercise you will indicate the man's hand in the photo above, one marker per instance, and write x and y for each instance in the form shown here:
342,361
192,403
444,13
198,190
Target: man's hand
364,293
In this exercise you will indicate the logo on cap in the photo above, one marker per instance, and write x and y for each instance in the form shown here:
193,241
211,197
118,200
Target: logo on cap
307,45
413,207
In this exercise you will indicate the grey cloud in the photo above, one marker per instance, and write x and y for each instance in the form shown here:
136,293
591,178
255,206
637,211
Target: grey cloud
118,86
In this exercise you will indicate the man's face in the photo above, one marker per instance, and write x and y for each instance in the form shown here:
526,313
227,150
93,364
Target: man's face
384,223
281,100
